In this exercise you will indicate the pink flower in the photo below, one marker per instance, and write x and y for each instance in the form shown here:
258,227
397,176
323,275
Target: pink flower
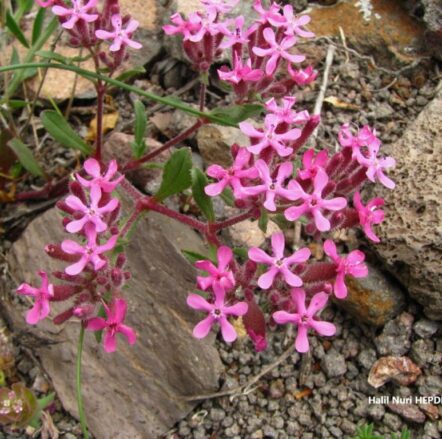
112,325
93,169
272,187
368,214
120,37
237,35
181,26
270,15
231,176
217,313
219,6
313,204
285,113
276,51
41,295
311,164
376,166
208,26
293,24
352,264
269,137
302,76
92,214
305,318
278,264
76,13
219,277
241,72
91,252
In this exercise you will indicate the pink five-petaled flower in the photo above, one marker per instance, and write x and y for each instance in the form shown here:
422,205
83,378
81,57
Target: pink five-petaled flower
272,187
303,76
270,15
285,113
368,214
352,264
376,166
41,295
92,214
269,137
237,35
293,23
91,252
76,13
311,164
231,176
181,26
304,318
277,51
219,6
103,181
218,313
313,203
120,37
112,325
277,262
241,72
219,277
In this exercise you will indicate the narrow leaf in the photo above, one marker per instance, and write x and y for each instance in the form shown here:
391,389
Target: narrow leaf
62,132
263,220
234,114
227,197
204,202
38,24
14,28
129,74
25,157
192,257
176,175
139,146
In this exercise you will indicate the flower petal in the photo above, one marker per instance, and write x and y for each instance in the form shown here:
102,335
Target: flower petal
227,330
302,344
195,301
203,327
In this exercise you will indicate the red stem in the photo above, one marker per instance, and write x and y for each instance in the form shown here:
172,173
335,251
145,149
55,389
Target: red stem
236,219
101,91
172,142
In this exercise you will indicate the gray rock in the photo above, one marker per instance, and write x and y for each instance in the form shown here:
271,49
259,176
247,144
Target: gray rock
374,299
395,337
217,415
376,411
383,111
367,358
333,364
425,328
133,392
422,352
411,239
392,421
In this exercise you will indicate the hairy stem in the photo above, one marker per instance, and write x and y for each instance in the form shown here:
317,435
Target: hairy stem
78,379
236,219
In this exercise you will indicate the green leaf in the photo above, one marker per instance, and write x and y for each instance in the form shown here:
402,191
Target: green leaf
204,202
236,113
227,197
241,252
192,256
25,157
129,74
38,24
62,132
263,220
16,103
99,334
47,54
176,175
139,145
15,30
46,401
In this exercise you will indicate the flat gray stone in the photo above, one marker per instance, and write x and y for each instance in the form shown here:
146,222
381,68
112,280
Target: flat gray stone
133,393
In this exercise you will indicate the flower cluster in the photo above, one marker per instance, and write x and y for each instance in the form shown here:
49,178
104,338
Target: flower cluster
91,279
263,177
259,51
87,27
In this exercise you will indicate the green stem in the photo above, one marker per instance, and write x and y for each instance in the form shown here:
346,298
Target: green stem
78,379
92,76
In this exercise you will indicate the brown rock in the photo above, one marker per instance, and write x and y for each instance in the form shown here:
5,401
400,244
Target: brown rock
118,146
248,234
411,238
374,299
400,370
133,393
431,411
214,143
409,412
